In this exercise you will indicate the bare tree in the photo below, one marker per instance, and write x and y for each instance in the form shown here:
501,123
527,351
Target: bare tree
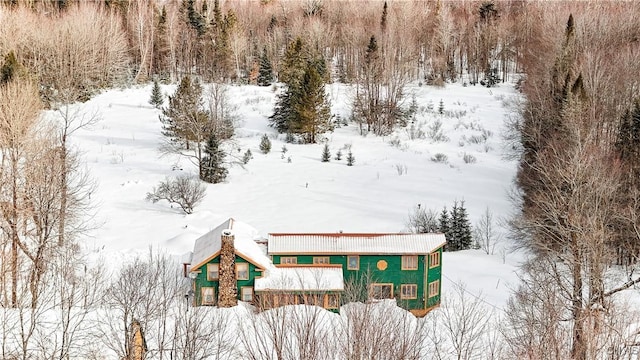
184,190
144,290
485,234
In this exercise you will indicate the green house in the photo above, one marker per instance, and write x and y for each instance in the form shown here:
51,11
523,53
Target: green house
250,262
318,269
404,267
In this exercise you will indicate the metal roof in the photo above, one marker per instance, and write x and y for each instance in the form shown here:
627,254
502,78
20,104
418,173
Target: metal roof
308,278
244,241
361,244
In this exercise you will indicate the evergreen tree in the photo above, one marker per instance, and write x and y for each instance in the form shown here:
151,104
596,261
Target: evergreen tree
265,144
383,20
265,74
11,68
465,235
441,107
350,159
247,156
157,99
302,107
184,111
339,155
312,112
444,224
453,242
326,154
212,169
161,46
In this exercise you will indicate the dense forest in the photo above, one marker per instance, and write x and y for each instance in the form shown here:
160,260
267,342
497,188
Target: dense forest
576,136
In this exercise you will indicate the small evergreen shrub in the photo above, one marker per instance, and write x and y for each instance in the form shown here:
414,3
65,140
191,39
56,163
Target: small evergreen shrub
350,159
469,159
326,154
247,156
265,144
439,158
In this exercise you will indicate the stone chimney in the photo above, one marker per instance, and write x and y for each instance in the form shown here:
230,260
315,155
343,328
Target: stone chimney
227,286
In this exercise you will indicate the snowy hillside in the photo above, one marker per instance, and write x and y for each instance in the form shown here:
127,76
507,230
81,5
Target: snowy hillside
391,175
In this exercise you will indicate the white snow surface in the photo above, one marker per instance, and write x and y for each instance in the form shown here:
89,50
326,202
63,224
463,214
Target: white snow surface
302,279
391,176
341,243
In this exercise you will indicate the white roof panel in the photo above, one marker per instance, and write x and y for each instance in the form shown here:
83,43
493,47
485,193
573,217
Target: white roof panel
362,244
244,242
301,279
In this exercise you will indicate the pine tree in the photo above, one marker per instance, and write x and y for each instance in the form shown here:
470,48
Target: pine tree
350,159
339,155
444,224
312,112
184,110
326,154
453,242
212,169
441,107
157,99
265,74
465,236
247,157
11,68
383,20
265,144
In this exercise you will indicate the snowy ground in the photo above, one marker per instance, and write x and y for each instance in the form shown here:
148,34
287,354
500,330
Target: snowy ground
391,176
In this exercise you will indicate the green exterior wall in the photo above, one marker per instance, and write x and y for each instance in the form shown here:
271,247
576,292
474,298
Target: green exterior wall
368,272
435,274
201,280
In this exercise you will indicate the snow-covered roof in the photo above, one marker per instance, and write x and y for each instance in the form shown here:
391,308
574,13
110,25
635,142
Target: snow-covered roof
343,243
310,278
208,245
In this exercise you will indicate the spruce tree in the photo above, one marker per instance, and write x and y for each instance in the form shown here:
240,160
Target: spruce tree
157,99
11,68
339,155
326,154
312,112
265,144
184,110
212,169
247,157
465,236
265,73
383,20
444,224
453,243
350,159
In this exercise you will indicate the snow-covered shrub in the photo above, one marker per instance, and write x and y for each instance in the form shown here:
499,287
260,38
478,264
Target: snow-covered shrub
184,190
439,158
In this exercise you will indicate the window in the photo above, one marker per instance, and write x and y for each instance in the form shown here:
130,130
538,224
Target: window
212,272
434,259
381,291
247,294
288,260
208,296
434,288
317,260
242,271
332,301
408,291
410,262
353,262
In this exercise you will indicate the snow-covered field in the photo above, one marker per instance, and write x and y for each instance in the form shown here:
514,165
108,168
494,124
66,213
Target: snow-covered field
391,176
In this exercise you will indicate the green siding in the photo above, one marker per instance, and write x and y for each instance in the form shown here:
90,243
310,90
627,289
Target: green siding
434,274
201,280
368,268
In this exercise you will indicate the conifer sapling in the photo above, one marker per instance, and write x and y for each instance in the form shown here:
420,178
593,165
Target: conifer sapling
326,154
